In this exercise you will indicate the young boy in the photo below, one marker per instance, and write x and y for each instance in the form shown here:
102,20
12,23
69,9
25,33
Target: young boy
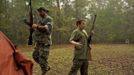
79,39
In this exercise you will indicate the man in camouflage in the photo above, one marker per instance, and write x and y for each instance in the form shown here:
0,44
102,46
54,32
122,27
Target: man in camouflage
42,38
79,39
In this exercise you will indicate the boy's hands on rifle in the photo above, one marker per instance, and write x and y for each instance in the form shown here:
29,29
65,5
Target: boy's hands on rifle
76,44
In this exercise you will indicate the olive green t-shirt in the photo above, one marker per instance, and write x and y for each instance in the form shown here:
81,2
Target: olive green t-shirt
80,36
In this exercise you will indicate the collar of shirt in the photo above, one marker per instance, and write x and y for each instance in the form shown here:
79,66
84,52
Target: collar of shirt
83,31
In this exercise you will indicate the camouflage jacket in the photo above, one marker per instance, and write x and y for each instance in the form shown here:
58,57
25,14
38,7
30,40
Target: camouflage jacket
44,36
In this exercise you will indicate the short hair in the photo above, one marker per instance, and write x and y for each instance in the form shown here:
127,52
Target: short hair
78,22
42,9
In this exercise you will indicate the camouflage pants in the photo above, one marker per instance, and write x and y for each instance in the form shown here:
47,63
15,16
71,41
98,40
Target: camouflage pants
79,64
40,55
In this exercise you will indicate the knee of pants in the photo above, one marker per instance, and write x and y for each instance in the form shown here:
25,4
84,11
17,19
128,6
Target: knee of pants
44,55
43,59
75,68
35,56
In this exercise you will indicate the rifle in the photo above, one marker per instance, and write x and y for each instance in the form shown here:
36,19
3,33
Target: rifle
30,23
90,37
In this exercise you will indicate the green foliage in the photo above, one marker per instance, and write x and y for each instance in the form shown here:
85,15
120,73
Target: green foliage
114,19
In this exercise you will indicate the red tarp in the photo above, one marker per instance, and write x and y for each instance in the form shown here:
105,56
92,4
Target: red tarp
12,62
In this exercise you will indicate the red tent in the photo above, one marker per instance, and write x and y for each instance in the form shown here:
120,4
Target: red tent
12,62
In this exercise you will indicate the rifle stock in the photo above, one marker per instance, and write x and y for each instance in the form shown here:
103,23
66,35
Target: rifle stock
30,23
30,39
93,25
90,37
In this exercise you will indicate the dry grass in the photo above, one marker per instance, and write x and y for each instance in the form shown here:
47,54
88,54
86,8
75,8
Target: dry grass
115,59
